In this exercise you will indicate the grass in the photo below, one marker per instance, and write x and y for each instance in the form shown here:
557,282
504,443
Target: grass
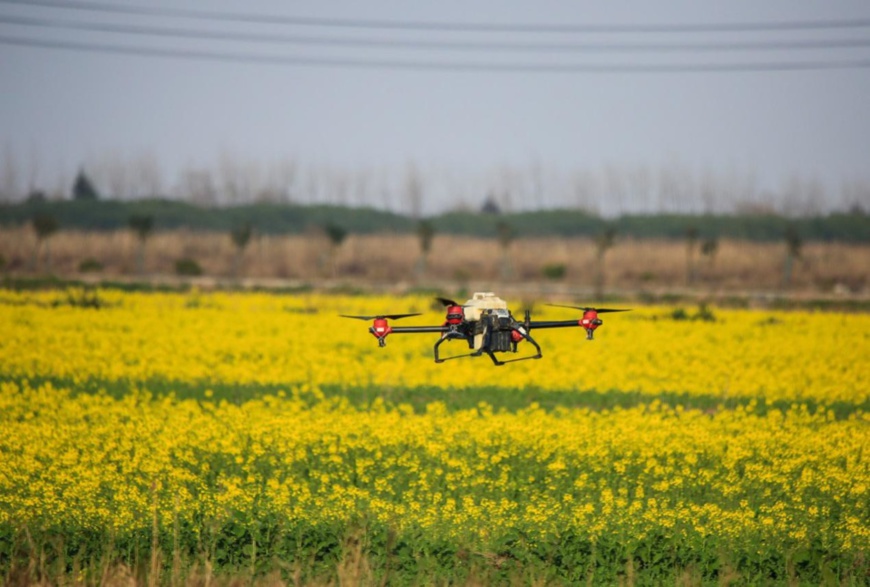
369,554
500,399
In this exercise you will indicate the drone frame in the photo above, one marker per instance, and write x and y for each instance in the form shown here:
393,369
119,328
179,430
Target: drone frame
490,320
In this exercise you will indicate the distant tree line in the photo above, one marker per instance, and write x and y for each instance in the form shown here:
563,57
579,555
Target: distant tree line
144,216
701,233
418,191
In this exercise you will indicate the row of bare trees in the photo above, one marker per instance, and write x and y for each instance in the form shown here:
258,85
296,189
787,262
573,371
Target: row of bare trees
410,189
45,225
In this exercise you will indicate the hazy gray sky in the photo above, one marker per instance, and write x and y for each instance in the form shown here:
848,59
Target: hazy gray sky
61,108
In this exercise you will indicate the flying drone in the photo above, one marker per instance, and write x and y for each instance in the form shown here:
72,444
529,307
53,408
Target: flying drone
486,324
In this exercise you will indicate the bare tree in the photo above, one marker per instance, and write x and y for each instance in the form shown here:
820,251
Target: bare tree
45,226
707,192
33,172
142,226
855,197
667,189
676,188
536,183
276,185
239,181
241,236
286,173
745,186
228,173
604,241
586,192
425,235
119,179
506,235
336,234
338,187
147,178
508,183
709,248
361,181
9,188
313,185
615,188
197,186
801,196
793,245
639,182
61,186
691,245
111,173
383,189
413,191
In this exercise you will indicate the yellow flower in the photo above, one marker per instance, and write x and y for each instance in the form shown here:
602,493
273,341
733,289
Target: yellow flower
221,406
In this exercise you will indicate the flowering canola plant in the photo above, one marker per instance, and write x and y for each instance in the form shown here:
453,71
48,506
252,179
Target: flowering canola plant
651,477
285,340
784,478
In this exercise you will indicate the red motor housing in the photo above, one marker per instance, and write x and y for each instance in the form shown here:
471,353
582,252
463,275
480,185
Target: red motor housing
380,328
590,321
455,315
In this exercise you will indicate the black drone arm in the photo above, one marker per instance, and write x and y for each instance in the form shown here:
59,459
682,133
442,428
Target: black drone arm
553,324
418,329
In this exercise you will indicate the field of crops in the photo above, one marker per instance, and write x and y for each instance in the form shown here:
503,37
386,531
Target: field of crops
190,437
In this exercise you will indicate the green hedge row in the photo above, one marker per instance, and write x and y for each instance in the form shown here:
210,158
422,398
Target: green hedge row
294,219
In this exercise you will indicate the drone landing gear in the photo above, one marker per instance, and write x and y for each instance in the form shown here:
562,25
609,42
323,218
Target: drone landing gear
452,335
538,354
498,363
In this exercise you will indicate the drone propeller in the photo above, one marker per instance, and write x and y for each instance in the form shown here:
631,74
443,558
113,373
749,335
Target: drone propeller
586,309
381,316
447,302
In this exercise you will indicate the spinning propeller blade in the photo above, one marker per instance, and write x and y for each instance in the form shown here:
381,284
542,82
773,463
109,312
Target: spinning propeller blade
387,316
586,309
447,302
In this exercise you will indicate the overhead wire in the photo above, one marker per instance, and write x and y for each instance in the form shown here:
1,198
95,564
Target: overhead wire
270,38
188,33
699,27
437,65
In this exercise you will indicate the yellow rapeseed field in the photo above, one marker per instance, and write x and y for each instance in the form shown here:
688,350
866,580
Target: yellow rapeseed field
300,340
98,462
89,449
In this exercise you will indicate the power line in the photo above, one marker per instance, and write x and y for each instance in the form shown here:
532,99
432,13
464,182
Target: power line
188,33
435,65
703,27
